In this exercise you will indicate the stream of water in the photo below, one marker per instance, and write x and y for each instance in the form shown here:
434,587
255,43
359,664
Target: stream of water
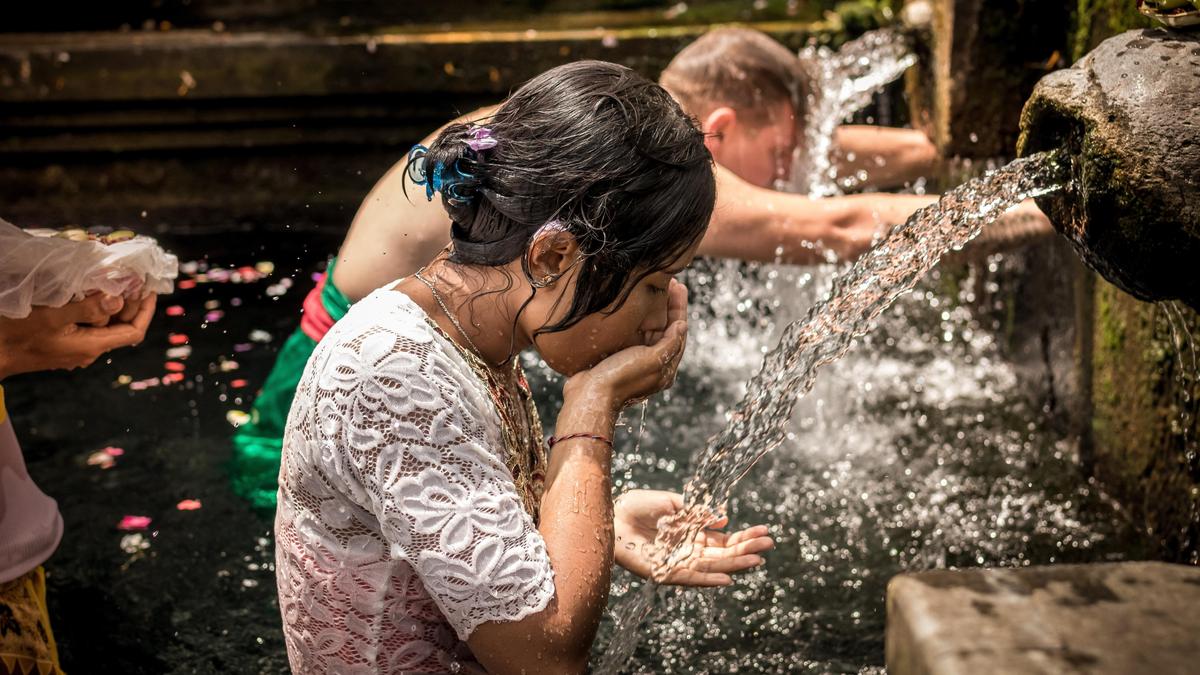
760,422
841,83
1186,376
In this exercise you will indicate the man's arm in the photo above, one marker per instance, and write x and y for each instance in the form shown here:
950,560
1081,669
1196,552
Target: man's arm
394,234
753,223
887,156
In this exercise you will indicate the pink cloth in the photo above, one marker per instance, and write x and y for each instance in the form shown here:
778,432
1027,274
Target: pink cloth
30,525
316,322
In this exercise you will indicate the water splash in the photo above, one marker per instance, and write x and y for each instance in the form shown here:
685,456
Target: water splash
760,421
1187,372
1186,376
841,84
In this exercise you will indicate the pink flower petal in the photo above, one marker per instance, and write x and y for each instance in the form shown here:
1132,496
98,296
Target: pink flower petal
113,452
130,523
188,505
101,460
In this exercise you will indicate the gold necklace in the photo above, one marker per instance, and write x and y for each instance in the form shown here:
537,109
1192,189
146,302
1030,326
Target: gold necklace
437,297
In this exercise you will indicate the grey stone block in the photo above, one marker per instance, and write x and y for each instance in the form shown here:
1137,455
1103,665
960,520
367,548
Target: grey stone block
1118,618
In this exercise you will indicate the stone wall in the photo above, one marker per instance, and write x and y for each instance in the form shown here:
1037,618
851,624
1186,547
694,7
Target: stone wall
984,59
277,114
339,16
1144,430
200,128
215,115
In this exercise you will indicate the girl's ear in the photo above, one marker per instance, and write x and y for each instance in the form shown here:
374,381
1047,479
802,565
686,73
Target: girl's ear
551,253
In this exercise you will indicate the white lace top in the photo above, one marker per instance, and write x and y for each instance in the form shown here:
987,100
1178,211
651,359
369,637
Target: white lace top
399,528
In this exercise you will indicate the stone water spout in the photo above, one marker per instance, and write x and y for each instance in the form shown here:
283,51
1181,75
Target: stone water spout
1129,115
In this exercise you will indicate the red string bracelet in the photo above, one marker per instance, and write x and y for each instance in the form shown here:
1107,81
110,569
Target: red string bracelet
595,437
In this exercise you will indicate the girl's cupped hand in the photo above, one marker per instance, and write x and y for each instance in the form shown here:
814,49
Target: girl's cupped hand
638,372
714,555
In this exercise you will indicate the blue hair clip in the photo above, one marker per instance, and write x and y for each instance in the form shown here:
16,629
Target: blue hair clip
418,173
416,169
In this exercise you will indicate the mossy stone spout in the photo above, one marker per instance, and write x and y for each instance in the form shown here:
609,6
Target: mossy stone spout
1128,114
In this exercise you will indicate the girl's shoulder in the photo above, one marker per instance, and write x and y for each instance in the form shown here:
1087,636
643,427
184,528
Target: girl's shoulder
388,335
388,310
385,319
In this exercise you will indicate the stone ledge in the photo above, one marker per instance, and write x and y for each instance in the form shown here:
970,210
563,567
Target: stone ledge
121,92
199,64
1118,618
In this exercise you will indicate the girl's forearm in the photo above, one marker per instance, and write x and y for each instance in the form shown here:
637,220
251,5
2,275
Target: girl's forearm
577,522
577,527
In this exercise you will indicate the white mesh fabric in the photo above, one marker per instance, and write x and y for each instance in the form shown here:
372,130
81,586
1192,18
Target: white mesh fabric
399,528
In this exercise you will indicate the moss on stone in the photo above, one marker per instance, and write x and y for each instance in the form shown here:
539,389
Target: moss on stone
1145,427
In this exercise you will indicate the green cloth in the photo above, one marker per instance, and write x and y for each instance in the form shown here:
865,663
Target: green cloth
258,444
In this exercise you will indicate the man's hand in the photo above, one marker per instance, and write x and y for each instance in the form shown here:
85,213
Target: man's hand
714,556
71,336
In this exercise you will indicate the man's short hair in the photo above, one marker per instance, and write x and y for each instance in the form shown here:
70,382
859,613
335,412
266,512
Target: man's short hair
740,68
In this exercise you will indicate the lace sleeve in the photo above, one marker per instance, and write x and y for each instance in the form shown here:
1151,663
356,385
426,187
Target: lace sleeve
422,440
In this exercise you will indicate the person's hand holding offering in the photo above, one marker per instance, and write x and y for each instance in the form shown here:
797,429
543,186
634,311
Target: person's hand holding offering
72,336
714,554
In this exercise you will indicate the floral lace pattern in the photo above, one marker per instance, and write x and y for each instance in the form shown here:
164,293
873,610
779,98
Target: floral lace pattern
399,528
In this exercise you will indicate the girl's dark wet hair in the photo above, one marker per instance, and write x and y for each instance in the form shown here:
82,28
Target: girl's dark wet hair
598,148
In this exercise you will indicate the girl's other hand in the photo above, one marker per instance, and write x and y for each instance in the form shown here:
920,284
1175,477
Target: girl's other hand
715,555
640,371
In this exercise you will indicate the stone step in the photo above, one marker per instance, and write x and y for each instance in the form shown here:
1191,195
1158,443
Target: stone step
1107,618
206,65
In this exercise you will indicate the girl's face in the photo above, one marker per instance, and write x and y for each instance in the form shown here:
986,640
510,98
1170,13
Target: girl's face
638,321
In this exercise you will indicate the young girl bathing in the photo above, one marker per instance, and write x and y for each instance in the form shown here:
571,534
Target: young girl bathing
422,524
